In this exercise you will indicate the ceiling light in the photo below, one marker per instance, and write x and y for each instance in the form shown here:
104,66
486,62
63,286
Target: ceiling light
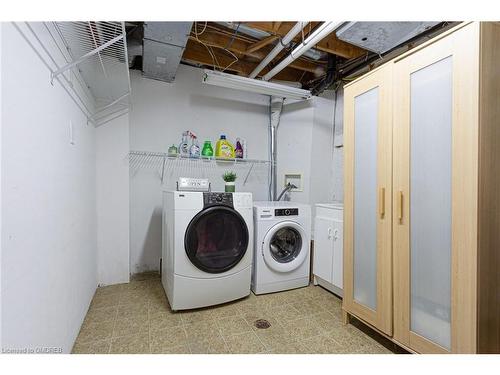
253,85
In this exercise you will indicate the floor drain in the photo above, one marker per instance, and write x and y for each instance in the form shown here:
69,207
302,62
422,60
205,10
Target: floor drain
262,324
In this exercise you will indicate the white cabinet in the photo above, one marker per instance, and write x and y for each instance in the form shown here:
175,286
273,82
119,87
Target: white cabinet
328,247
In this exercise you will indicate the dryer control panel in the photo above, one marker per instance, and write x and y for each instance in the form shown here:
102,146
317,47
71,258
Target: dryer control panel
286,212
214,199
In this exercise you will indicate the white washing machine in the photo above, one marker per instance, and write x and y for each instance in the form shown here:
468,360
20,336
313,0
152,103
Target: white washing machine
207,247
282,242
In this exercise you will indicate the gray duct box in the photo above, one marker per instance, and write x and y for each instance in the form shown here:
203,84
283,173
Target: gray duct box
380,37
163,46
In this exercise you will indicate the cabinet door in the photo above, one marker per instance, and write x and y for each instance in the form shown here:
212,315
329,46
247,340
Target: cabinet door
367,203
323,248
338,254
435,194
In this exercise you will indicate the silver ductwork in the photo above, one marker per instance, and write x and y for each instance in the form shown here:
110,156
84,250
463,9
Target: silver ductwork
275,108
379,37
163,46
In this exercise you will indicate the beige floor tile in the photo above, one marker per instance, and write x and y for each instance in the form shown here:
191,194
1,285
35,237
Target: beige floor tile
203,330
233,325
159,306
94,347
101,314
305,320
110,289
225,311
328,322
162,321
286,312
307,306
133,311
133,298
163,340
105,300
95,332
275,336
303,328
197,316
130,326
132,344
321,345
217,345
245,343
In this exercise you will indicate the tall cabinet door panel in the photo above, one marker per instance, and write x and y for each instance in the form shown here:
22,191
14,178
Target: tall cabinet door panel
367,203
434,194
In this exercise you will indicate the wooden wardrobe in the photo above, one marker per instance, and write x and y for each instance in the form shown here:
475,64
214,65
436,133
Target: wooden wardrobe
422,194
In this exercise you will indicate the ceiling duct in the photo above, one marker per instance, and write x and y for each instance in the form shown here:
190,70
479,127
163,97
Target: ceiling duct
163,46
379,37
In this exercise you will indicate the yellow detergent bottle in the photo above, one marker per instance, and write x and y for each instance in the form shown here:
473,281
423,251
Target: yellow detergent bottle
224,148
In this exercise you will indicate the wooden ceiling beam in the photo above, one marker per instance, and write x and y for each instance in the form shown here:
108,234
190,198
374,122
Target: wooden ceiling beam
330,44
237,46
197,53
261,43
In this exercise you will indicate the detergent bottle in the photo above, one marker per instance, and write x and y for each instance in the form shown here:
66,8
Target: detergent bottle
223,148
194,150
184,146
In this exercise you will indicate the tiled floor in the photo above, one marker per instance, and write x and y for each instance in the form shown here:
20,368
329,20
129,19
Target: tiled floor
136,318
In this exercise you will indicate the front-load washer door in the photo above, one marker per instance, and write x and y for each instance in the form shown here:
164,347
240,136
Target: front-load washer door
216,239
284,247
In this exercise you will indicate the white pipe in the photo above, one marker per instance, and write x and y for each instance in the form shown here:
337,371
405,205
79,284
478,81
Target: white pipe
325,29
297,28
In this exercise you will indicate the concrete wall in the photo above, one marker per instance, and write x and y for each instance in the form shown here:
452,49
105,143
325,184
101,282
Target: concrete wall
112,189
49,241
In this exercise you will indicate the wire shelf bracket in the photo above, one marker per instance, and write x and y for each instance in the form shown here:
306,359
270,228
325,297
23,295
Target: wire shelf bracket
89,59
84,57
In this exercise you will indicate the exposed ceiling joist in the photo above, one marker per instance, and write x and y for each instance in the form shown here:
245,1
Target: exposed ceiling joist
261,43
221,41
197,53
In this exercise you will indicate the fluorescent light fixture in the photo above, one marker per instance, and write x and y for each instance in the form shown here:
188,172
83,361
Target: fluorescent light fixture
253,85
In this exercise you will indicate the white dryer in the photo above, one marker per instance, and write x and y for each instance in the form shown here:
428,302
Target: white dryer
282,242
207,247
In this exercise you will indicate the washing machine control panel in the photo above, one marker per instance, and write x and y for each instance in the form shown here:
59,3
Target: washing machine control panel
286,212
212,199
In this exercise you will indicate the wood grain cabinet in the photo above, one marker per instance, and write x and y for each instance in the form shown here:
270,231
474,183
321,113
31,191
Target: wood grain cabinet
422,194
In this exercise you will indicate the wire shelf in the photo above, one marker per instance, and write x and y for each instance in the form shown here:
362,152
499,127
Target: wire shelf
171,168
89,59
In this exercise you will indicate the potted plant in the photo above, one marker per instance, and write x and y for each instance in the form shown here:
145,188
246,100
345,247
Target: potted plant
229,177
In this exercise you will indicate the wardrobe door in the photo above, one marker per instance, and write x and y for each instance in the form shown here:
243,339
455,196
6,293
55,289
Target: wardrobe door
435,194
367,225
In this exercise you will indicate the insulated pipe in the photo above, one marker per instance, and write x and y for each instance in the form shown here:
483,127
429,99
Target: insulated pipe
297,28
275,107
325,29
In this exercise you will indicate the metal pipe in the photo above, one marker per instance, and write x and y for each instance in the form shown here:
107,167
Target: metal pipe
325,29
275,108
297,28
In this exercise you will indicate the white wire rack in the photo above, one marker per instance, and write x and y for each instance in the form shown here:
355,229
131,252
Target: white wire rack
89,59
171,168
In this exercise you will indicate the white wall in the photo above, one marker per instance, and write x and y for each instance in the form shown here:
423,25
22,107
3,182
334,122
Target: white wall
294,139
112,189
160,113
48,221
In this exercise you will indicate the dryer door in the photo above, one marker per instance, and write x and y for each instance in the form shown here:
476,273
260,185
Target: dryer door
285,247
216,239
